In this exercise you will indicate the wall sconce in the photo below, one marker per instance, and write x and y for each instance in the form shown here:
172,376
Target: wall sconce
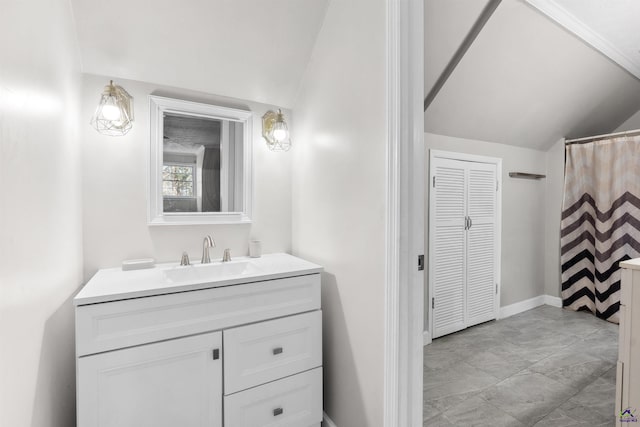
114,115
275,131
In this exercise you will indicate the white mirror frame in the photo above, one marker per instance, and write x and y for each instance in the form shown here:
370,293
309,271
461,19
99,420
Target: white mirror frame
158,106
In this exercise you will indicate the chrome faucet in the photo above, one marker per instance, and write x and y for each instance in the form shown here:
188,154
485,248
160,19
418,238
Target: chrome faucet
206,244
185,259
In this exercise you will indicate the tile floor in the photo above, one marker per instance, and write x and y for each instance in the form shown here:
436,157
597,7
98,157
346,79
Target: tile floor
544,367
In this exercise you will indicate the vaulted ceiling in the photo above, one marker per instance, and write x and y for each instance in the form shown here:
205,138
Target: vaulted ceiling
525,80
248,49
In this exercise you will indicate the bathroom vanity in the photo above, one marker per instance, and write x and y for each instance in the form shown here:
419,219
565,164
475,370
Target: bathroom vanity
628,368
233,344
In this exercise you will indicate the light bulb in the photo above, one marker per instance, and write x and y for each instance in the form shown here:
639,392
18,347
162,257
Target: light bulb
111,112
280,134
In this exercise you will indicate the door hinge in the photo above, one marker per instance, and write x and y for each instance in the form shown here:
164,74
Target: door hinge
497,184
434,181
420,262
496,288
433,303
216,354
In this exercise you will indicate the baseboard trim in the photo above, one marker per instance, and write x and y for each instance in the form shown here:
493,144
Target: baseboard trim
528,304
553,301
519,307
508,311
426,338
326,421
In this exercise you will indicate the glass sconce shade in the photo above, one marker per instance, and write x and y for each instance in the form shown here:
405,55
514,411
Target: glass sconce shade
275,131
114,115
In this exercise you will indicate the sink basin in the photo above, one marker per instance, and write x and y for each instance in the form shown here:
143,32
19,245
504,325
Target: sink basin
200,273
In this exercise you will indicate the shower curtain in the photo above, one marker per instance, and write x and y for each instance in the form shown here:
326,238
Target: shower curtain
600,222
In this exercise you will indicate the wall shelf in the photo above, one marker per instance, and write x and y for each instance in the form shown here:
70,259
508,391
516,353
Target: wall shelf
525,175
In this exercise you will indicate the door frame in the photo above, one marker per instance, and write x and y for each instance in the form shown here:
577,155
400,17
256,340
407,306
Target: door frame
451,155
404,216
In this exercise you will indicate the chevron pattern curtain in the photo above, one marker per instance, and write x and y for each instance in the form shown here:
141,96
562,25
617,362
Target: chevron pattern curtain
600,222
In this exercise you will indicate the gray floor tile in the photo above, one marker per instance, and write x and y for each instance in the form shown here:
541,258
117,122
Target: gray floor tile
542,341
444,403
438,421
477,412
553,312
559,419
528,396
582,326
610,375
501,365
603,349
545,367
599,396
586,415
434,361
573,369
460,378
429,410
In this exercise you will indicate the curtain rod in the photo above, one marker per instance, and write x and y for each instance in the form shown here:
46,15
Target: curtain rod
606,135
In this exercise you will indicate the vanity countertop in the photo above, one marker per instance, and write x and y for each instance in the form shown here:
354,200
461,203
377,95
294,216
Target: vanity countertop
633,264
113,284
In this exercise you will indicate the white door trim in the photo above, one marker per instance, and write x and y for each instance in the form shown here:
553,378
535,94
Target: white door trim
404,284
439,154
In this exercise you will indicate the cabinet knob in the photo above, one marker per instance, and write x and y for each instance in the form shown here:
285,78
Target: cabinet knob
277,411
277,350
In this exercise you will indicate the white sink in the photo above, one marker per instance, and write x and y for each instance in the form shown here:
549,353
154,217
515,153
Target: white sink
112,284
201,273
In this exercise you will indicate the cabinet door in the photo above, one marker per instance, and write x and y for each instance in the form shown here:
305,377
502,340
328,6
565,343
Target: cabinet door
166,384
481,243
448,210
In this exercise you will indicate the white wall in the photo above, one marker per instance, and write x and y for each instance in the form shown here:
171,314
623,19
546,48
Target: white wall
523,214
40,212
115,199
553,214
632,123
339,202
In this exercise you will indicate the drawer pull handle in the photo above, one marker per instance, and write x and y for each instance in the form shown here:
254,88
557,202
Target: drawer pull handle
277,411
277,350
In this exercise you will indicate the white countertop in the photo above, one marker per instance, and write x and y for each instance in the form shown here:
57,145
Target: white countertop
633,264
114,284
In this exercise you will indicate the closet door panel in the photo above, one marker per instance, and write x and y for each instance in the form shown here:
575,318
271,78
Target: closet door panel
482,193
449,289
481,243
481,284
448,299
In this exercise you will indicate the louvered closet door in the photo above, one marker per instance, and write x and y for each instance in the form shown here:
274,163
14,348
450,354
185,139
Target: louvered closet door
448,271
481,243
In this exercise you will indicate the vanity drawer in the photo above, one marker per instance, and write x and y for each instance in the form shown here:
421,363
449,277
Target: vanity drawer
265,351
112,325
292,402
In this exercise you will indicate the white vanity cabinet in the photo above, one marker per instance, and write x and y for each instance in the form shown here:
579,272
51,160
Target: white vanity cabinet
628,366
240,351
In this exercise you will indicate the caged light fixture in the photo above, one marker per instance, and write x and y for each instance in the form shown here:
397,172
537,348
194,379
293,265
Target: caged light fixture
275,131
114,115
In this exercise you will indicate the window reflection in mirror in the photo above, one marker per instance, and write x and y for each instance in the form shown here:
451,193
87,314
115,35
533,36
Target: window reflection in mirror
201,164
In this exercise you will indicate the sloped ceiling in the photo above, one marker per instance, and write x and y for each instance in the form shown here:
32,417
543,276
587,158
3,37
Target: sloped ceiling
609,26
250,49
526,81
452,18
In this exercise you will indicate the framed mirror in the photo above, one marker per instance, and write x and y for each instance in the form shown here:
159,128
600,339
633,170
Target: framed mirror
199,163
